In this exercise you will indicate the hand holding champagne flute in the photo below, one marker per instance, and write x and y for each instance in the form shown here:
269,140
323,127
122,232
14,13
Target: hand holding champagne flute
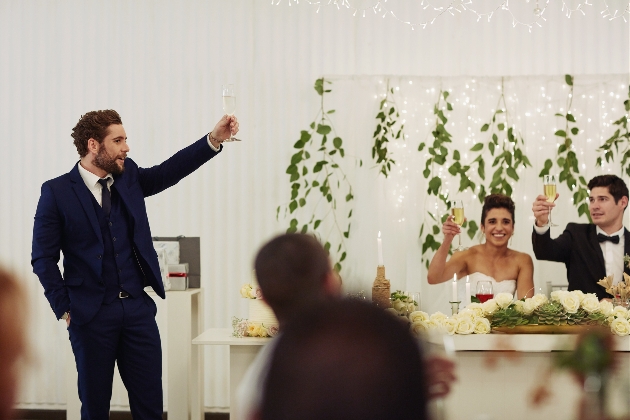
457,210
550,192
229,104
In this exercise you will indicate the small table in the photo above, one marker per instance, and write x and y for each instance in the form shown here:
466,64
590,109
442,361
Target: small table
243,351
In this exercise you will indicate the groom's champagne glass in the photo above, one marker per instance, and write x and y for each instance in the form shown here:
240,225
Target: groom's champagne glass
550,192
229,104
457,210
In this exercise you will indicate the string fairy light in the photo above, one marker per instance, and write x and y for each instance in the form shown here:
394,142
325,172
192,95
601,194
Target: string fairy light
379,8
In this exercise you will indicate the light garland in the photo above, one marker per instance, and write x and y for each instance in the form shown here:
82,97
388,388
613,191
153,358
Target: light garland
379,8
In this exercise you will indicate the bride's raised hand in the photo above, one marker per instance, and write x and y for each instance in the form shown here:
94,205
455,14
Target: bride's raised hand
450,229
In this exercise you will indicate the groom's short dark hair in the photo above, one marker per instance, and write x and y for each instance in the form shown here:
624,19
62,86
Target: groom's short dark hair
616,187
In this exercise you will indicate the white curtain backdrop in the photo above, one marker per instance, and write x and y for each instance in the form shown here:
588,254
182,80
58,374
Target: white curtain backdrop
161,64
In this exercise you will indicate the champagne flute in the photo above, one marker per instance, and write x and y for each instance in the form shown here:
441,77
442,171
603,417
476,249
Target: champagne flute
549,182
484,290
457,210
229,104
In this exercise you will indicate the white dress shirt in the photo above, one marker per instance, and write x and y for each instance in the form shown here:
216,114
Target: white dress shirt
613,253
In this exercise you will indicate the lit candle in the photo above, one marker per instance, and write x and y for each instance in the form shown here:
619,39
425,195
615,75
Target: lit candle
380,249
467,290
454,288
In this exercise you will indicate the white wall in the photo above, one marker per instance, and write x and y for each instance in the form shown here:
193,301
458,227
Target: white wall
161,65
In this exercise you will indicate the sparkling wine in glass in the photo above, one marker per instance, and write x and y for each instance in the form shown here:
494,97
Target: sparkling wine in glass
229,104
484,290
457,210
549,182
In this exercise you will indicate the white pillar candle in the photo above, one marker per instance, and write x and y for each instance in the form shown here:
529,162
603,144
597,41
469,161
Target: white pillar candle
454,288
380,249
467,290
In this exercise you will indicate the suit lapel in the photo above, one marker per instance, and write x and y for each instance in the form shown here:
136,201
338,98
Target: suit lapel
84,195
626,249
592,238
124,194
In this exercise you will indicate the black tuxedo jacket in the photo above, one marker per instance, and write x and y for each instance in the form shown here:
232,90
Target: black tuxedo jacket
580,251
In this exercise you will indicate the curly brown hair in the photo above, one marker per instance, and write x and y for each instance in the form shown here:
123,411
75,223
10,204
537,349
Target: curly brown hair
93,125
497,201
616,187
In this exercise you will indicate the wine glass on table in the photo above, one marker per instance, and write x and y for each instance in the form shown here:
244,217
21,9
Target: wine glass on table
229,104
484,291
457,210
549,182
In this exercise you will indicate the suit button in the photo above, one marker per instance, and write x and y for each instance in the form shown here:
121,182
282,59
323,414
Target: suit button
110,223
119,271
99,256
116,255
114,239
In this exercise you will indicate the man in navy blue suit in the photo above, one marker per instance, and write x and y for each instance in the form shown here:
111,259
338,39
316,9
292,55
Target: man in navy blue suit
96,216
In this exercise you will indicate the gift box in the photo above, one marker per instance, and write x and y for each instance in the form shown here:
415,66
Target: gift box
178,276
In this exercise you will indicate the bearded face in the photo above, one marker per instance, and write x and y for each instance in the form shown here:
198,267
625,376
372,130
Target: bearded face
110,164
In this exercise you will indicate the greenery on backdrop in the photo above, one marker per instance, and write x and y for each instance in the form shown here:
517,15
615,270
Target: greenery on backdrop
387,130
566,158
315,168
619,140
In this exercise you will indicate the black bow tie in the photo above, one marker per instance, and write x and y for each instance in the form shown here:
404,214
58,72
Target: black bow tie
603,238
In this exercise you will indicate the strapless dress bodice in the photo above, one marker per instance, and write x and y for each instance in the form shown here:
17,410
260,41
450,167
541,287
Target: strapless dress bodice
503,286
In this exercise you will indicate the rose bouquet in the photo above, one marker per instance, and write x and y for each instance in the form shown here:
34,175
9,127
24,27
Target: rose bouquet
402,303
244,328
467,321
250,292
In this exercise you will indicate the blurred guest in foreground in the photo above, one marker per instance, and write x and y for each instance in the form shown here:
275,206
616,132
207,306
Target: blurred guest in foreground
345,360
12,340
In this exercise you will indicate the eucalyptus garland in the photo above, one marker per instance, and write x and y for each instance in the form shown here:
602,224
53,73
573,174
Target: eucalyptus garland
619,140
315,168
567,160
387,130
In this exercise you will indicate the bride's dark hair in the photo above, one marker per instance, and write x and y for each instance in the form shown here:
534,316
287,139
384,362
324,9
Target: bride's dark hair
497,201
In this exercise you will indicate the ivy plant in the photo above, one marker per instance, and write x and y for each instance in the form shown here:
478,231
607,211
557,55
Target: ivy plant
566,158
505,146
619,140
315,169
387,130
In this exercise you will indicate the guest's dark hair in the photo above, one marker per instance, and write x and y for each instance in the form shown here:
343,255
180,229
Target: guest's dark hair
616,187
93,125
346,359
291,270
497,201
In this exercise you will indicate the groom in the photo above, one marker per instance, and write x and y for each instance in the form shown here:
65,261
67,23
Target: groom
96,216
589,251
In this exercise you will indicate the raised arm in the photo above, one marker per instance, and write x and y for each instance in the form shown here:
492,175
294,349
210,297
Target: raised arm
525,279
441,270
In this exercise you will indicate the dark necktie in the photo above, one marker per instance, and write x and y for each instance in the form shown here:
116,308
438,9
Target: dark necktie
106,197
603,238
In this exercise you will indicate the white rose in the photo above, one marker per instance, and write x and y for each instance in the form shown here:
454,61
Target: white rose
557,295
518,305
411,307
504,299
620,326
476,308
434,325
438,317
529,306
245,290
610,319
419,327
450,324
253,330
251,293
263,331
466,313
620,312
570,302
273,330
540,299
465,326
590,303
482,326
418,316
580,294
489,306
399,306
606,307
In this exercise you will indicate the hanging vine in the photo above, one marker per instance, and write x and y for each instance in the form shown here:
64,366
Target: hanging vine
387,130
505,146
620,139
567,160
315,168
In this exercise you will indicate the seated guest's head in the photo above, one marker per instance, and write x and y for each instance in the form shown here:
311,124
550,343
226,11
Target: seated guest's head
608,200
294,271
12,339
345,359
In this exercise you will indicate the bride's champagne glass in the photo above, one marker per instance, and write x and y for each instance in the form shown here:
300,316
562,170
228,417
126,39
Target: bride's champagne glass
457,210
549,182
229,104
484,290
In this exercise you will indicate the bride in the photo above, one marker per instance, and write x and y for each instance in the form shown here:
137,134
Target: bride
509,271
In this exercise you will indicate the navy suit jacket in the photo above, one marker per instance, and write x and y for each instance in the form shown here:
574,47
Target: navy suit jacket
579,249
65,221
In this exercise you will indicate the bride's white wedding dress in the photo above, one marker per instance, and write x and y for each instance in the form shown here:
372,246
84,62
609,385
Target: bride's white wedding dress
503,286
